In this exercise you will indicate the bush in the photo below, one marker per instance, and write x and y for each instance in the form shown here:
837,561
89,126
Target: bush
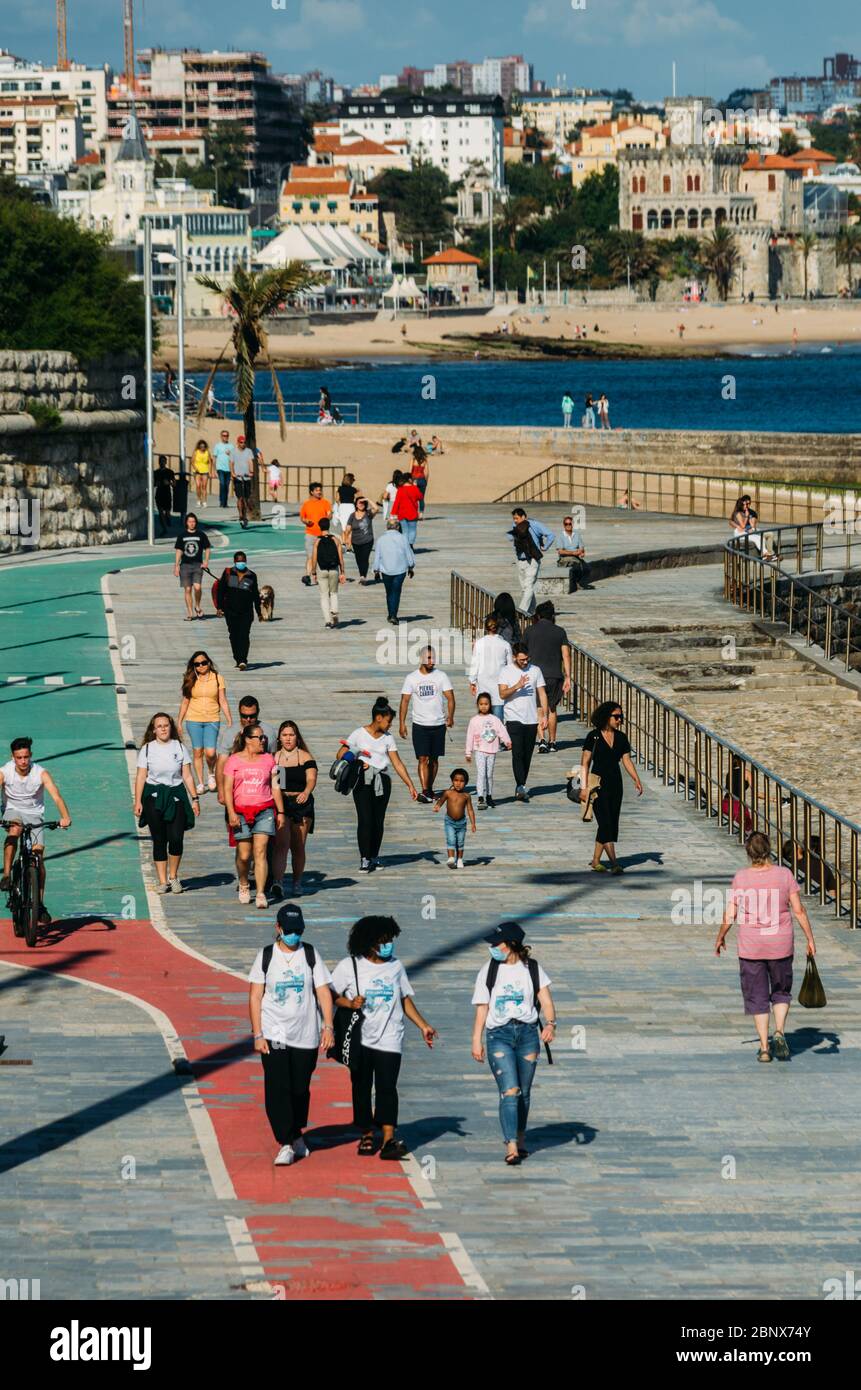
47,416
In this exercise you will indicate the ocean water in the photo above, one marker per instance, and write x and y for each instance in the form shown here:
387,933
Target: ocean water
812,391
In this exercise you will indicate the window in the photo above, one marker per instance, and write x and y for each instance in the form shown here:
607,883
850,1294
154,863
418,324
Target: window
772,183
696,183
637,221
668,184
690,183
635,184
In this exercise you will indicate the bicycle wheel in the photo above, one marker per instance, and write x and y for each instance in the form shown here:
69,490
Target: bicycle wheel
33,903
16,902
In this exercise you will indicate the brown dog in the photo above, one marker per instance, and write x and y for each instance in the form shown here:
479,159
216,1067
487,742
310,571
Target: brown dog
267,603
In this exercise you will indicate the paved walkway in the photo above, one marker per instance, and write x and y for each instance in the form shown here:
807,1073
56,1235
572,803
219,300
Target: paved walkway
655,1085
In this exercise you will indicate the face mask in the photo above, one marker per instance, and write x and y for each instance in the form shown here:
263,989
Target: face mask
386,950
240,565
291,939
498,954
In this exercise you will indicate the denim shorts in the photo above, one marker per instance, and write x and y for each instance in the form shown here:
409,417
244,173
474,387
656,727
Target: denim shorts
264,824
455,833
203,734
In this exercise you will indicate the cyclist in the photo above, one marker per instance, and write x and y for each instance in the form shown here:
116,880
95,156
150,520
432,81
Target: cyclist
23,784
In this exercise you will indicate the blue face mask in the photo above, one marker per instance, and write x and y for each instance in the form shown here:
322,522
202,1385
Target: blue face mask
498,954
291,939
241,565
386,950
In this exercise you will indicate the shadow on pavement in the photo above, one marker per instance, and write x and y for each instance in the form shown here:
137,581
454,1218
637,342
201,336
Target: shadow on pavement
553,1136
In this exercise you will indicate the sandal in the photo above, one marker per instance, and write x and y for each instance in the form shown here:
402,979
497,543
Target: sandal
599,868
513,1160
393,1148
763,1055
781,1047
366,1145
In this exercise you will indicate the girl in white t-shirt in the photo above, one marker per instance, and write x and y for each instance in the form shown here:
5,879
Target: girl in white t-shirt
373,746
371,979
506,1005
388,494
166,801
273,474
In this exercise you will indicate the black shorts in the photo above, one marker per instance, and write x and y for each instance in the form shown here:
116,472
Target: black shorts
242,488
429,740
553,691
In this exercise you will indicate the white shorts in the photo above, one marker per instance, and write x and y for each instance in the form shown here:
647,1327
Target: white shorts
27,818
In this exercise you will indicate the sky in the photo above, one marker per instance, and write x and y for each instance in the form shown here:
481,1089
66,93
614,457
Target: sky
717,44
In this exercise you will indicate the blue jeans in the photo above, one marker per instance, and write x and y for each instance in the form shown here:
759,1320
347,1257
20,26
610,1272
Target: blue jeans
408,529
393,584
512,1052
455,833
223,487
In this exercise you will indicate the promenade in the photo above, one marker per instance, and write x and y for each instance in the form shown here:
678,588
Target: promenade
665,1164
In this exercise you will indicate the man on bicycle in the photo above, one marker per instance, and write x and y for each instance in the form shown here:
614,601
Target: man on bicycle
23,784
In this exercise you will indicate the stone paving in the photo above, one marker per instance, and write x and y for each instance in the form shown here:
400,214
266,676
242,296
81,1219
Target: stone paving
652,1107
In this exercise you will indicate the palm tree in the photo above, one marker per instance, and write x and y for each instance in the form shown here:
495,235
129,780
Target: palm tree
849,248
721,257
516,214
805,244
626,248
250,297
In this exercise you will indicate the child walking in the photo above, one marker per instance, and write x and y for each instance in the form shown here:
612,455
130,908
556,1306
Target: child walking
274,473
458,805
484,737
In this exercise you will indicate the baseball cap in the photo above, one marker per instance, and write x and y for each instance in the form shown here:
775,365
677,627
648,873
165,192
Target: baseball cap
290,919
510,932
240,439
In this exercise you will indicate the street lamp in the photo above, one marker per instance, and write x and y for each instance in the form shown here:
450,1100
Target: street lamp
150,524
168,257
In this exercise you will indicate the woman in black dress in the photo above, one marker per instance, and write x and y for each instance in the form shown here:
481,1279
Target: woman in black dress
164,481
605,748
297,777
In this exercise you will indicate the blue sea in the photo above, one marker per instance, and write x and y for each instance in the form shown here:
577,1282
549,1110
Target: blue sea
812,391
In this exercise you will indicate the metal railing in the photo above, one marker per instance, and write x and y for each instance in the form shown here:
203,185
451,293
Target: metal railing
740,794
219,408
296,479
680,494
756,583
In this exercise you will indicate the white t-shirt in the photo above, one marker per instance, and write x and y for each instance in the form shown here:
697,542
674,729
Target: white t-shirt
384,984
429,704
512,996
274,474
164,762
521,708
374,752
289,1012
24,793
489,655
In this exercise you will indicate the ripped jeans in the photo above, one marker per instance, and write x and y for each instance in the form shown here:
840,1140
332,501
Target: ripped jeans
512,1052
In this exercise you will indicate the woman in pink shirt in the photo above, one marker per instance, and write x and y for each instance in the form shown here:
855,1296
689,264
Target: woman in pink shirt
763,900
484,737
255,808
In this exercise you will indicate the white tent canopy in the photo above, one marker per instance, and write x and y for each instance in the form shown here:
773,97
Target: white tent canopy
321,248
404,287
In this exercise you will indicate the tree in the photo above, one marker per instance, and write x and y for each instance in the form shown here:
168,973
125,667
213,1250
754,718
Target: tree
631,248
516,214
849,249
417,198
60,289
804,244
250,297
721,256
788,143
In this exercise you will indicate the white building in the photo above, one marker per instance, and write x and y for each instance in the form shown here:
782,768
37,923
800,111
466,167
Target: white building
38,134
447,131
86,86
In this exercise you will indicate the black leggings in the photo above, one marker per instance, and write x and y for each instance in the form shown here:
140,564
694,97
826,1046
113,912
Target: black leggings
363,555
287,1076
522,747
167,835
378,1071
371,815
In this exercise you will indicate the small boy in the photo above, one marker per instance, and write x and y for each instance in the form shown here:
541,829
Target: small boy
458,805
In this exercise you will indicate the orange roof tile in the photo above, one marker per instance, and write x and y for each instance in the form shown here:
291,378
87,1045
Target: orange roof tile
314,172
816,156
451,257
770,161
307,188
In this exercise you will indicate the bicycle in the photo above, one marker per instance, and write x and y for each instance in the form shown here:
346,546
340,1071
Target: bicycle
23,896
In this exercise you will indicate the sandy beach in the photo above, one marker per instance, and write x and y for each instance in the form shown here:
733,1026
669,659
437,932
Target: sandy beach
653,330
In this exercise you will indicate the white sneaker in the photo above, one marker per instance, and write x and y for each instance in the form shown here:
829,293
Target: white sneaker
200,789
460,864
211,784
285,1156
175,886
300,1148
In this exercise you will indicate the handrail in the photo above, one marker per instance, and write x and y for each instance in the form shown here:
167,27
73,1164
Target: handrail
295,479
687,494
295,411
724,782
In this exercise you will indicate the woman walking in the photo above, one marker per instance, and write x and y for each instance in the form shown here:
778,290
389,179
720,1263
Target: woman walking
347,492
297,778
376,750
202,470
204,701
359,534
389,493
165,799
508,994
371,979
763,899
289,990
255,808
190,558
567,410
327,568
507,625
604,749
490,655
420,474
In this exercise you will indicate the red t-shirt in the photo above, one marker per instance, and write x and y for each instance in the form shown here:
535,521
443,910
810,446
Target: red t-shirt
407,503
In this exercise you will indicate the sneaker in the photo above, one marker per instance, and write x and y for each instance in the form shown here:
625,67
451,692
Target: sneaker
460,864
175,886
781,1047
300,1148
261,901
243,665
482,804
277,893
543,746
285,1156
491,804
425,798
552,748
200,789
298,890
452,864
162,888
245,896
211,784
392,621
365,866
378,864
521,794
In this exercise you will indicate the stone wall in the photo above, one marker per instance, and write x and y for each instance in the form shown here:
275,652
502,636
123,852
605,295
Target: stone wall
84,482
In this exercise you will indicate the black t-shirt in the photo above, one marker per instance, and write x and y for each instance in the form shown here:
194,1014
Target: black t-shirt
545,641
191,545
347,493
605,760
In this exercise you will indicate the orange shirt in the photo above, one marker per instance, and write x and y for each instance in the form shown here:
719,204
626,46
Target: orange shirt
312,512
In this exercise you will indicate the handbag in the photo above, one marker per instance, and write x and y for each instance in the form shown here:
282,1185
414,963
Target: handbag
812,993
347,1029
591,794
572,786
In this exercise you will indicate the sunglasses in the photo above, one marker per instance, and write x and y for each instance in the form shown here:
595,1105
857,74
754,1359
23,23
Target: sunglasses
248,718
255,736
200,665
620,717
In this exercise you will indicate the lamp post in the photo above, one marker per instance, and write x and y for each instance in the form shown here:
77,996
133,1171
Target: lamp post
178,259
150,485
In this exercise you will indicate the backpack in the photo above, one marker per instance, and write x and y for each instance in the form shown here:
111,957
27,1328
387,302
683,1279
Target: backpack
327,554
310,956
532,967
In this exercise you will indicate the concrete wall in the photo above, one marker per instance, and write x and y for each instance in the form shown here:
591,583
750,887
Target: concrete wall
84,482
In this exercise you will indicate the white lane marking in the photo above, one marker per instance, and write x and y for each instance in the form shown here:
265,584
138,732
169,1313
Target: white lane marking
55,680
91,680
246,1254
463,1264
16,680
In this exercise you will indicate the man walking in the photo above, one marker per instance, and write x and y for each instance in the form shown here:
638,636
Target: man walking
550,650
242,473
571,555
524,700
238,598
223,457
314,509
433,712
530,540
393,561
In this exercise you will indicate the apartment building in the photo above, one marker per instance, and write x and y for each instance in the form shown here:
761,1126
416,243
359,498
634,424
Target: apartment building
39,134
362,159
451,132
491,77
555,114
86,86
840,82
